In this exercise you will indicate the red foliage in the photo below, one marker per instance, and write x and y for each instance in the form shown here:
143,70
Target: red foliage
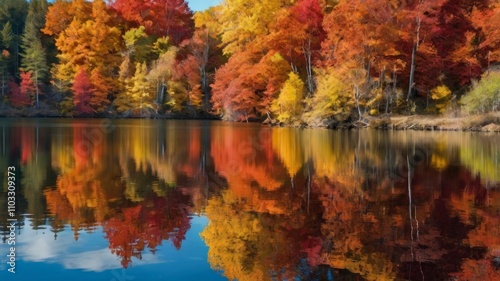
82,90
20,96
171,18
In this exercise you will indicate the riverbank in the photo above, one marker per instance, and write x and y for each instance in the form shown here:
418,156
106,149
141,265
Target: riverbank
477,123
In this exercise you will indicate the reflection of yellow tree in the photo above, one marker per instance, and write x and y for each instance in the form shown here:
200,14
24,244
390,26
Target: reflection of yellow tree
232,237
85,183
256,246
288,145
168,151
481,154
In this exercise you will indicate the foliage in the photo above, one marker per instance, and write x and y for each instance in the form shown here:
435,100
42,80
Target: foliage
332,99
233,59
441,96
138,95
288,106
171,18
82,90
16,98
484,97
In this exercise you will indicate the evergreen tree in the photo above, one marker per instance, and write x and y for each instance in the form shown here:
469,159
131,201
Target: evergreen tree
6,38
34,55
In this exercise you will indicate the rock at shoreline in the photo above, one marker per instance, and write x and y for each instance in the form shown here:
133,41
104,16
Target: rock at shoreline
491,128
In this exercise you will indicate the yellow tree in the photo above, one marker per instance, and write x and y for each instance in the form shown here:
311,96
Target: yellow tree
138,95
288,106
89,42
243,22
332,98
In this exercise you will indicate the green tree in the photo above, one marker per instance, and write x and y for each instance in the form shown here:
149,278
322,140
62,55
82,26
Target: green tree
34,55
6,37
485,97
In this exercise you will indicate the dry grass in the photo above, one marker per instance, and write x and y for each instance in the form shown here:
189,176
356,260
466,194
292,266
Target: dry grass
488,122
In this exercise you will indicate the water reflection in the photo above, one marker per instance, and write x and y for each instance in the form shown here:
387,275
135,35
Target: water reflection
282,203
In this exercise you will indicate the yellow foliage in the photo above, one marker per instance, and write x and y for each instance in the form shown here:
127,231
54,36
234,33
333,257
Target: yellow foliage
332,98
441,95
287,107
243,22
287,142
138,94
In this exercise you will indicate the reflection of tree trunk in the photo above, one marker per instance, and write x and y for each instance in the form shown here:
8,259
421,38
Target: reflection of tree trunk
308,185
3,140
36,150
409,204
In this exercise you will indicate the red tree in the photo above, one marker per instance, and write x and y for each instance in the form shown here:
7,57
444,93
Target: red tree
21,96
82,90
171,18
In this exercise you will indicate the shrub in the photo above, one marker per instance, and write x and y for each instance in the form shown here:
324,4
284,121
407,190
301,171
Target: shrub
485,97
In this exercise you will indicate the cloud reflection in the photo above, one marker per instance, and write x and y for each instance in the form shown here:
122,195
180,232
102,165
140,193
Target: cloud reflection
86,254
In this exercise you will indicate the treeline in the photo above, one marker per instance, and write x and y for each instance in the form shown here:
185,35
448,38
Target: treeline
295,62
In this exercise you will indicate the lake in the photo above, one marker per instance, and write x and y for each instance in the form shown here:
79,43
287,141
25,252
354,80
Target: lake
120,200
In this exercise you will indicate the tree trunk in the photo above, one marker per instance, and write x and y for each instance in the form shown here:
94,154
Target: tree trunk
411,84
356,98
308,57
36,89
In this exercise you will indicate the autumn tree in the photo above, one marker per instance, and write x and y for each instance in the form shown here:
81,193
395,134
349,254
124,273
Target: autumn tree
82,91
486,18
297,35
89,41
161,72
171,18
16,98
362,39
332,99
185,88
247,84
204,48
139,93
288,106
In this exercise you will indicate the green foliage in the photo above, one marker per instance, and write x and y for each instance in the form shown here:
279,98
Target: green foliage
139,44
441,96
288,106
6,36
332,98
485,97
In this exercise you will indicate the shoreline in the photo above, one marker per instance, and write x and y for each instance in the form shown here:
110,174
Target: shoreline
474,123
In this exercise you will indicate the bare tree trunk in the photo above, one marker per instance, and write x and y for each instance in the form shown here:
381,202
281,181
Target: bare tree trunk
36,89
356,98
411,84
308,56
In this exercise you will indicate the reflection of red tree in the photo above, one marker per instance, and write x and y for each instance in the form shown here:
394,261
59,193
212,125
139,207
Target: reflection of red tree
146,226
27,143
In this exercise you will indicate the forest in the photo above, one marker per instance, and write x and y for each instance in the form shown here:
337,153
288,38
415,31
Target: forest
304,62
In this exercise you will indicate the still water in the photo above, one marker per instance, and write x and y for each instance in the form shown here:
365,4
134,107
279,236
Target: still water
125,200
